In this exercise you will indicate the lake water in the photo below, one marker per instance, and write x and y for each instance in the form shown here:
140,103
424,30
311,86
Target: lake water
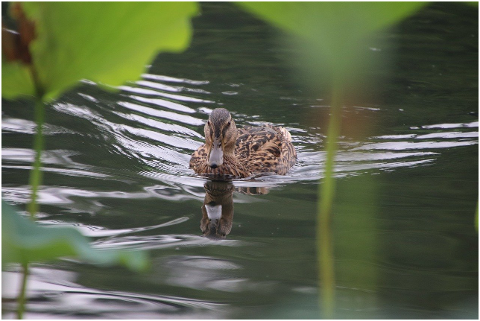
116,168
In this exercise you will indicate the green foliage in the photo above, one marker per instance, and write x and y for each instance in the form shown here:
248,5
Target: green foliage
24,241
333,33
337,23
67,42
106,42
16,80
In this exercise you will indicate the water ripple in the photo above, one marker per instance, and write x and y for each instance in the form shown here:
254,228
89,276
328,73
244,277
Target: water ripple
150,92
162,241
174,79
161,134
162,114
163,103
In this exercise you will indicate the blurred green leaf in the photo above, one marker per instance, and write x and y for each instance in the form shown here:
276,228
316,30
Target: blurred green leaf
334,31
16,80
24,241
106,42
328,20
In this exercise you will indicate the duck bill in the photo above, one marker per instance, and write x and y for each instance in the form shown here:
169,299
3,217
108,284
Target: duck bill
215,158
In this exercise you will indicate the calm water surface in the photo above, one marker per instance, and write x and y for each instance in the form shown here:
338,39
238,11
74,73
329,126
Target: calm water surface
116,168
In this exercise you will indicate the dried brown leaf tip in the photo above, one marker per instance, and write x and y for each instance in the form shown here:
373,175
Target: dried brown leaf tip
15,43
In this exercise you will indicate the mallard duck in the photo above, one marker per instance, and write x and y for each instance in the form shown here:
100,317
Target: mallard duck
231,152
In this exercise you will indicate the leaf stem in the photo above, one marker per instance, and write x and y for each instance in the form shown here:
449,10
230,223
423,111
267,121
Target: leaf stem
326,194
22,297
35,178
38,144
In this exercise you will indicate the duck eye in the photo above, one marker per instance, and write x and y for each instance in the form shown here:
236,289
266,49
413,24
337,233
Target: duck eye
208,122
229,123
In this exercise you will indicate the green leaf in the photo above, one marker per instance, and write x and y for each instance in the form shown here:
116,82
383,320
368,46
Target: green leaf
16,80
106,42
332,31
328,20
24,241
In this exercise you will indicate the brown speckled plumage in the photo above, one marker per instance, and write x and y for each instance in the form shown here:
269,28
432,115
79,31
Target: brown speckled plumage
247,151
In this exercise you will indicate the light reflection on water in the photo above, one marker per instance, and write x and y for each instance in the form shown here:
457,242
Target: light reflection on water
55,290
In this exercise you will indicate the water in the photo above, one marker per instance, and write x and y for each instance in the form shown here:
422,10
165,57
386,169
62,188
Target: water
116,168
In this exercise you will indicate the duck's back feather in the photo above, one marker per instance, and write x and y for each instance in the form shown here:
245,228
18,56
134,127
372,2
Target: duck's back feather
266,149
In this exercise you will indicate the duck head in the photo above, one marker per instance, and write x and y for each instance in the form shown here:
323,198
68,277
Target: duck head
220,137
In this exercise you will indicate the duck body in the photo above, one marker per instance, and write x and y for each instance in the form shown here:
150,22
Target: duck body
231,152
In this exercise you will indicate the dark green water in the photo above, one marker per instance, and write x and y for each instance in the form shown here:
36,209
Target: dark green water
116,167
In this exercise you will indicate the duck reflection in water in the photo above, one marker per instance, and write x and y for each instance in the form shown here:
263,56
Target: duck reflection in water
217,209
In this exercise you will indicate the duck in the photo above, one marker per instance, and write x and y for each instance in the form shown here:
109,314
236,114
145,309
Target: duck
231,153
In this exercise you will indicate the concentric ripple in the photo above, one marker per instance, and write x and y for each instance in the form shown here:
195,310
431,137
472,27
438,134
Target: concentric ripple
155,124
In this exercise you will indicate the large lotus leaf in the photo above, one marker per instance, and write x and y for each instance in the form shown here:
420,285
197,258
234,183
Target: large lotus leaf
335,31
24,241
107,42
